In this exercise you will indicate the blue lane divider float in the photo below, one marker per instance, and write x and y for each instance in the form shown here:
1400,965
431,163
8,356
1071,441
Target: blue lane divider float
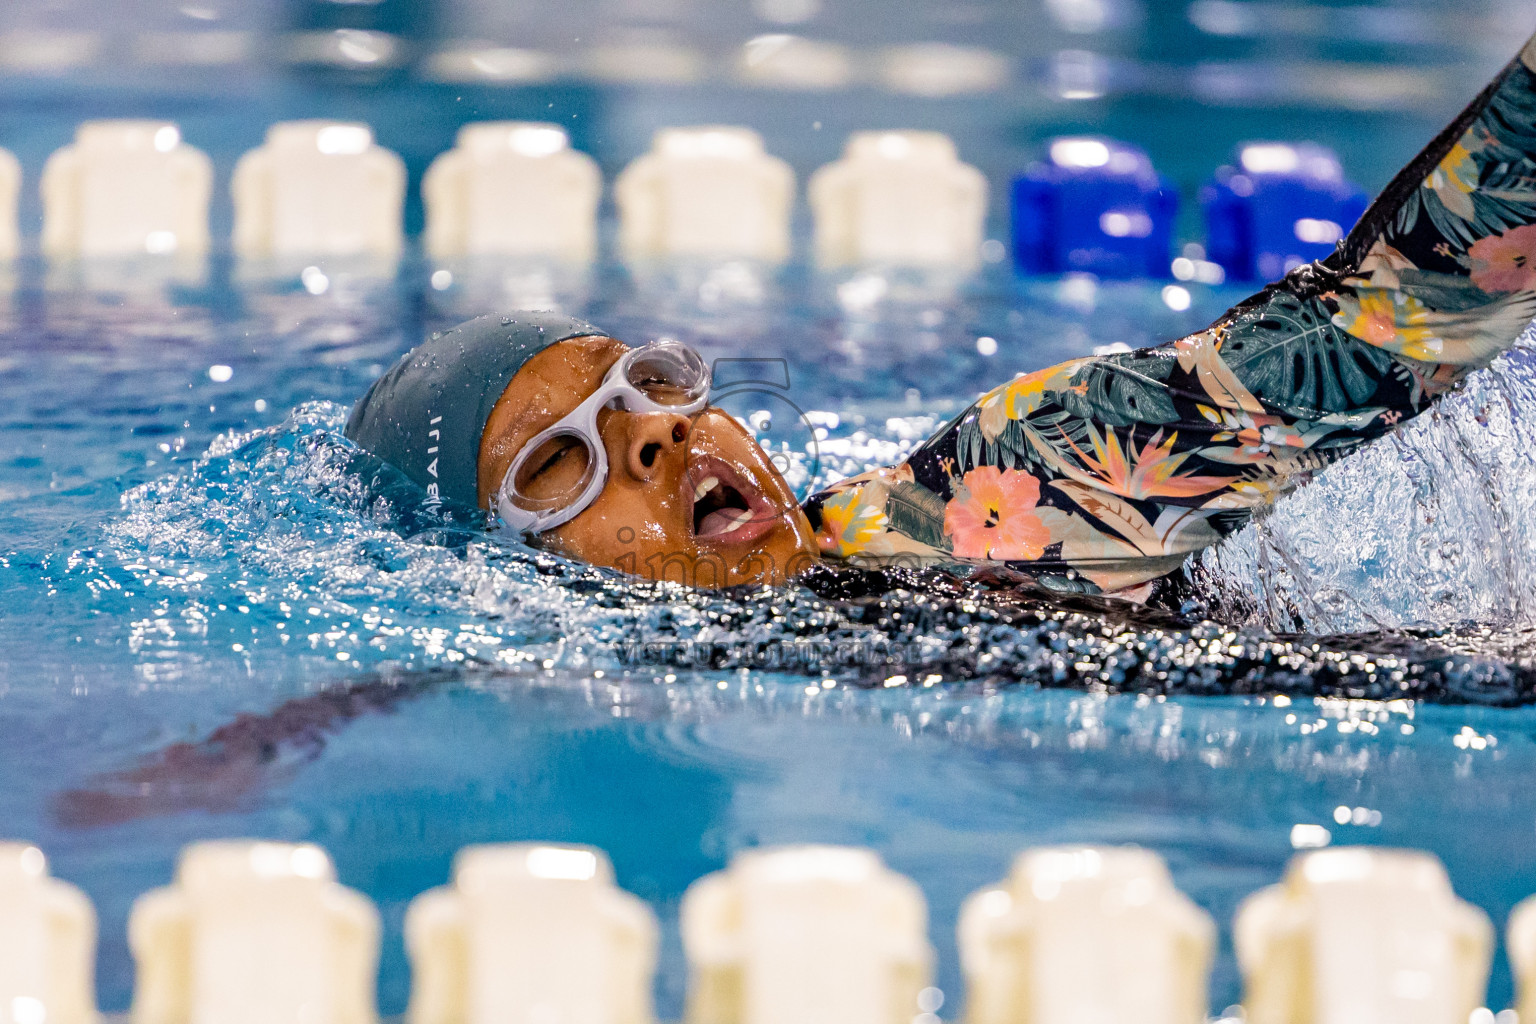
1280,205
1094,205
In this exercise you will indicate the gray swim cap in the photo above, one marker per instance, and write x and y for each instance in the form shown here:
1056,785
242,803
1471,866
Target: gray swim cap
426,414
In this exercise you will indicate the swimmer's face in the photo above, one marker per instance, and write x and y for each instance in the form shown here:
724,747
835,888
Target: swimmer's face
692,499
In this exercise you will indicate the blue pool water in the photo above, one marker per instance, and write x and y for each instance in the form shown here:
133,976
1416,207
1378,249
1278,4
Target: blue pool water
211,629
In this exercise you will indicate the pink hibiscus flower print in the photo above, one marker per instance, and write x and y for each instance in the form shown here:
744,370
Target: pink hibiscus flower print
1507,262
992,516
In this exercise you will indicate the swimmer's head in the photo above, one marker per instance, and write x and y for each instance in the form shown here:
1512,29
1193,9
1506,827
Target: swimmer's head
688,494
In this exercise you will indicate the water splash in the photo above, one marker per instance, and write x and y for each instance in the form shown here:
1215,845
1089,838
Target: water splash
290,538
1430,528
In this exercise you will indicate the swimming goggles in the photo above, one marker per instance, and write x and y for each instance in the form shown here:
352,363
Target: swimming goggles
563,468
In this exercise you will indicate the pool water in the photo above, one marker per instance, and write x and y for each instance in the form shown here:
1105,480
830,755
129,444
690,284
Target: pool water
212,627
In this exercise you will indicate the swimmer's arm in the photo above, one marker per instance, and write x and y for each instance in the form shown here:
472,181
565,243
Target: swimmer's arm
1113,469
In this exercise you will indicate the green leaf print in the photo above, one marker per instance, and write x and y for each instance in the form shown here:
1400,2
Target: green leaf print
1290,355
973,449
918,513
1118,395
1012,448
970,446
1493,213
1509,119
1447,293
1500,143
1408,213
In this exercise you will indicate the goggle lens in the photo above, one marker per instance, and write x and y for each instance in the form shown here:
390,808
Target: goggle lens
553,474
669,373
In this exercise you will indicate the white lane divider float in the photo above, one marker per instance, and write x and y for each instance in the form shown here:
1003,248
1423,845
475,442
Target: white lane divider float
530,933
254,933
47,943
318,188
260,933
711,192
1357,935
810,934
1521,944
1097,935
899,198
512,188
126,188
10,192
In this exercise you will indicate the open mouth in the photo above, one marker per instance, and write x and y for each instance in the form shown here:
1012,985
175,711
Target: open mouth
728,508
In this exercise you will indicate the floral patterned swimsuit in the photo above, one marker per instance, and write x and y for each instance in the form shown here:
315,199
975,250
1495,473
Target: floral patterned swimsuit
1113,469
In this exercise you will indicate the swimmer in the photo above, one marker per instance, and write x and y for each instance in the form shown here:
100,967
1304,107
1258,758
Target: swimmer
1101,474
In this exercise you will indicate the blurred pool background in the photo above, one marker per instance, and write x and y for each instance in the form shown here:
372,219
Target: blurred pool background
180,545
1185,80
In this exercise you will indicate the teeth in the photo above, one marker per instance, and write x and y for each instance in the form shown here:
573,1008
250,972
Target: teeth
705,486
742,518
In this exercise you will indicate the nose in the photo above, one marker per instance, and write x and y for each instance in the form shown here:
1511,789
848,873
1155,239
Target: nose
652,437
